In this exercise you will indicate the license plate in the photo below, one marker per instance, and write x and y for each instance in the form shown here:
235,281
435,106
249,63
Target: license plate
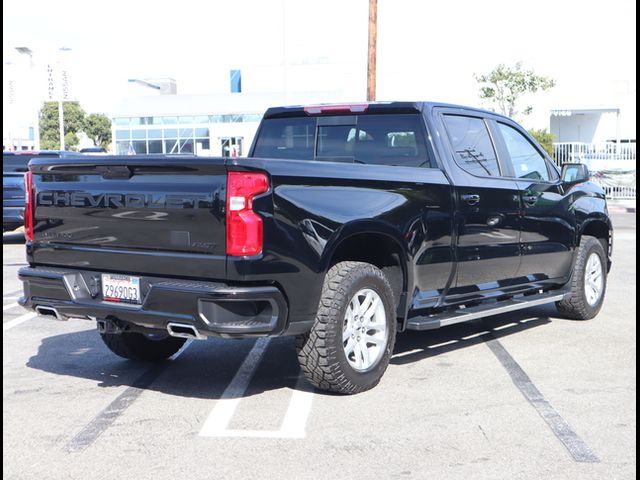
121,288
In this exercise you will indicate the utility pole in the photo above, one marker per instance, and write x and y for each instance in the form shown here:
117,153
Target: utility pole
371,63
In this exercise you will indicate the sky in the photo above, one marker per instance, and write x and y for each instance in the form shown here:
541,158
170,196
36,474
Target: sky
426,50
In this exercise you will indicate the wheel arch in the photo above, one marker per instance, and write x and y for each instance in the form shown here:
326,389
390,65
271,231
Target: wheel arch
374,244
600,228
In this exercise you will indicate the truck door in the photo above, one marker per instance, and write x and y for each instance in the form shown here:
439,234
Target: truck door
547,225
486,220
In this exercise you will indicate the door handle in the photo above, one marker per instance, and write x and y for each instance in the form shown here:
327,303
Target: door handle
530,200
471,199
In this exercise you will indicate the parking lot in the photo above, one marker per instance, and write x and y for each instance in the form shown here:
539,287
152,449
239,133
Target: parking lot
521,395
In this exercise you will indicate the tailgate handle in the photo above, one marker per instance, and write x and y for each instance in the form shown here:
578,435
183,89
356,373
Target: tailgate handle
114,171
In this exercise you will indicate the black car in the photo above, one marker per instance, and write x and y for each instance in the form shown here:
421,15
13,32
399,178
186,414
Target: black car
14,166
94,150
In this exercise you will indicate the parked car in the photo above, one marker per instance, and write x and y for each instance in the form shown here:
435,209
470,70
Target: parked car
94,150
14,166
345,225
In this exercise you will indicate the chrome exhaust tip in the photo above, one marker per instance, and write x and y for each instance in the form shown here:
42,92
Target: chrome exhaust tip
50,312
184,330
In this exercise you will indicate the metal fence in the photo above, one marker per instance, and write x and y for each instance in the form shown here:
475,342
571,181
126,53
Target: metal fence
612,165
576,152
619,191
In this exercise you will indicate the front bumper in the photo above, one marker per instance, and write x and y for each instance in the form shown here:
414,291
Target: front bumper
214,309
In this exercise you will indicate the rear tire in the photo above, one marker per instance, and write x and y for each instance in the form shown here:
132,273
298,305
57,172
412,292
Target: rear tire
138,346
588,282
349,346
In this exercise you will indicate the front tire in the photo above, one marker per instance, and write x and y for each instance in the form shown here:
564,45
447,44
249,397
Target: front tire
588,282
349,346
138,346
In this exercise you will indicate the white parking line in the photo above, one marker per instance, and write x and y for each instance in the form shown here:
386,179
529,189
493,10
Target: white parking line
508,325
217,421
9,307
410,352
624,236
295,420
294,423
18,321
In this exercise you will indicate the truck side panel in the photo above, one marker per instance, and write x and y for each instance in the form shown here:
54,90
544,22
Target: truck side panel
317,205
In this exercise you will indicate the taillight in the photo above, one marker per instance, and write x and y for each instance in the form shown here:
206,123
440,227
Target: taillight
28,206
244,226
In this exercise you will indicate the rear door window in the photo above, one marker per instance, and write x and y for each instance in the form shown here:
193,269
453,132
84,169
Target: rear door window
391,140
472,145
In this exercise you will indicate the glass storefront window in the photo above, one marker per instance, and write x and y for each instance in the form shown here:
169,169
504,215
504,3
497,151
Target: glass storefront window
139,134
122,134
169,120
140,147
121,121
155,146
122,148
201,119
202,132
171,146
252,118
154,133
186,133
185,120
170,133
186,146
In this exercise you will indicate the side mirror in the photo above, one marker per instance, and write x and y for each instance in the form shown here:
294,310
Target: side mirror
575,172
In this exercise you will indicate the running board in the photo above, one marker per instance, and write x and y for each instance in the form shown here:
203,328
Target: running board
443,319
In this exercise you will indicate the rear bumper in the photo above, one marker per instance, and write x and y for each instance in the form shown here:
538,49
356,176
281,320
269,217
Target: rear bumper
214,309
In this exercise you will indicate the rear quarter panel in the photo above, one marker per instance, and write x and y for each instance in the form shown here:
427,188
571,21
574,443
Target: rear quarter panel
316,205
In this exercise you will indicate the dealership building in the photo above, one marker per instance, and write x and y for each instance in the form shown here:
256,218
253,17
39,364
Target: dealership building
215,124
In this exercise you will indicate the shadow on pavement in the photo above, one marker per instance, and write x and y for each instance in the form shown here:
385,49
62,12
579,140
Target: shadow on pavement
206,368
203,370
415,346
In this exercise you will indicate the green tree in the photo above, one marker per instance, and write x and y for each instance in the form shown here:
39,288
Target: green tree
544,138
49,125
505,85
98,128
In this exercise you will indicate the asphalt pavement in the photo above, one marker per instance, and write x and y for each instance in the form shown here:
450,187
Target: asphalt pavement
525,395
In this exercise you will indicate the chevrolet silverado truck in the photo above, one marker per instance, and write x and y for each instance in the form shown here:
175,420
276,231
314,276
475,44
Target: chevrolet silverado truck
345,225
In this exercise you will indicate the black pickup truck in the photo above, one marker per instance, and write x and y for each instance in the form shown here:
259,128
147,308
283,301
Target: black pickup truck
345,225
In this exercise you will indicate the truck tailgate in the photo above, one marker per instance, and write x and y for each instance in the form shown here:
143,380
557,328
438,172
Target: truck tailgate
148,215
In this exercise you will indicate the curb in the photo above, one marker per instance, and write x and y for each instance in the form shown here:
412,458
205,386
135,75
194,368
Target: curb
622,209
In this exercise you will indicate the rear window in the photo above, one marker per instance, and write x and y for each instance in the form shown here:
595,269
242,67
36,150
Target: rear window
372,139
